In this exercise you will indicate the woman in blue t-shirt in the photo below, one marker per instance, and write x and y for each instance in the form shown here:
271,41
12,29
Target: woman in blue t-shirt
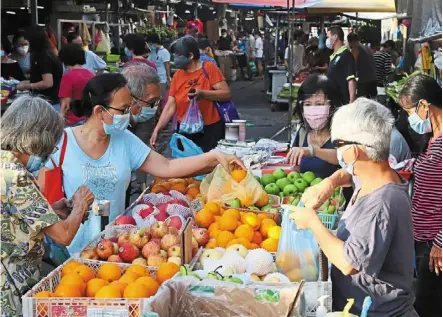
312,149
102,153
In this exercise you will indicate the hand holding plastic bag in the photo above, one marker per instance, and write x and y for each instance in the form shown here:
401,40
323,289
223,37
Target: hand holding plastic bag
298,252
193,121
221,186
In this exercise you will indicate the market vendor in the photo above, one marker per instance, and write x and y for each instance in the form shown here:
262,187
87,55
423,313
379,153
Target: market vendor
31,129
421,99
102,152
209,85
312,149
372,252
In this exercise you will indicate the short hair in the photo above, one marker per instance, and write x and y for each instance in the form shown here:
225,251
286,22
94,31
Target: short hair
353,37
337,30
155,38
72,36
98,91
136,43
313,40
19,34
389,43
72,54
185,46
366,122
203,43
312,85
139,75
224,31
31,126
298,34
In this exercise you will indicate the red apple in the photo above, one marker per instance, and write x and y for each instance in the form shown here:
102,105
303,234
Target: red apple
128,252
201,235
161,216
125,220
89,253
175,222
156,260
105,248
115,258
178,202
114,239
175,250
138,238
151,248
162,207
194,246
123,238
145,212
158,229
169,240
156,240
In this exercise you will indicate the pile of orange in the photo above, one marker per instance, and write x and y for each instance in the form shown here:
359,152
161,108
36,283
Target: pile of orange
231,226
79,280
187,186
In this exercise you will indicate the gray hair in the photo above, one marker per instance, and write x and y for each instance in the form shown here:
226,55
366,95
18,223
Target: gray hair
139,75
366,122
31,126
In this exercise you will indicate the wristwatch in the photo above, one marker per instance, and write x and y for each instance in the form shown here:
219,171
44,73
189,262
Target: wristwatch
311,150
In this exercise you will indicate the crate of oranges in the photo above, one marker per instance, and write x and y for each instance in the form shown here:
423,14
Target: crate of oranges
82,287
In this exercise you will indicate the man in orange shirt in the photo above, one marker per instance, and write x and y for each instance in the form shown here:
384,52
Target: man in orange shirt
190,81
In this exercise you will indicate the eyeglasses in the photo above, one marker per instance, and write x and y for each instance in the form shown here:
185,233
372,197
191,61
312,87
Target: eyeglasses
125,110
146,104
339,143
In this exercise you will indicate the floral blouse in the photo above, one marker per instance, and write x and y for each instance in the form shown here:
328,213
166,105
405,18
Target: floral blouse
24,214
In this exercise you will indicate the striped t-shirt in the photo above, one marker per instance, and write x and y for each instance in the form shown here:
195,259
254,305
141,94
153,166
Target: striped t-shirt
383,67
427,198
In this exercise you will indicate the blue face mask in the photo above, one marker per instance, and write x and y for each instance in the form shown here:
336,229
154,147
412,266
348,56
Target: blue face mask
35,163
2,53
119,124
418,124
128,53
180,61
349,168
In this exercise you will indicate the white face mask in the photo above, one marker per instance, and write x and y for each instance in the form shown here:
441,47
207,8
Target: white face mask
329,43
348,167
23,50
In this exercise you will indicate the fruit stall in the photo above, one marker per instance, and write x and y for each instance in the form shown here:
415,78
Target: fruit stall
187,247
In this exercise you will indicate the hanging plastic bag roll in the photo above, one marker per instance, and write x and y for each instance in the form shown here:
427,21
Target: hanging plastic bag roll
298,251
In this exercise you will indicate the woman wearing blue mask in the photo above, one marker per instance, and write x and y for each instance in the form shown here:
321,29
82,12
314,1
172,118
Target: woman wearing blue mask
372,250
102,153
31,129
421,99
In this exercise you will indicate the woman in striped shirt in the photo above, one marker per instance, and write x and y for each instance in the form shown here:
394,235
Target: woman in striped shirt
421,98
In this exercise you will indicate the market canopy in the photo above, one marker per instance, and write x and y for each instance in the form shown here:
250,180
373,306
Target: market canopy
325,6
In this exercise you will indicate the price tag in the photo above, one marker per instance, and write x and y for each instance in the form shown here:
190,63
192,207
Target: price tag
107,312
68,311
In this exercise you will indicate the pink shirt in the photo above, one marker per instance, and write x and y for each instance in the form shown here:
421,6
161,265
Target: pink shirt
72,84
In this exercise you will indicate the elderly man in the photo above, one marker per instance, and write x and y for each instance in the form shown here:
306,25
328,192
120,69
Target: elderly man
372,253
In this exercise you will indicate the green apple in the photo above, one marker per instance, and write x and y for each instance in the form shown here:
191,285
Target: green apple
289,190
295,202
234,203
301,184
290,199
316,181
279,173
213,276
266,208
185,270
233,279
274,210
282,183
272,189
267,179
341,200
331,210
258,179
337,191
281,195
253,208
325,206
308,177
293,176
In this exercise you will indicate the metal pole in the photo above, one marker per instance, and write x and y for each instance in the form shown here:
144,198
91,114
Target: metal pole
34,12
277,33
291,68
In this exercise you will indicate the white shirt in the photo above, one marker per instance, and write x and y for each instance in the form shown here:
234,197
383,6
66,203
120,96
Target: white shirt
159,57
259,47
298,55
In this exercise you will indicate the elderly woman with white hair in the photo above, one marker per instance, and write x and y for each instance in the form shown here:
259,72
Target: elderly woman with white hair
372,253
102,153
31,128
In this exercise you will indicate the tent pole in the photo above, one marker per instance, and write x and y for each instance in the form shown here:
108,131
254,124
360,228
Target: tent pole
277,32
291,12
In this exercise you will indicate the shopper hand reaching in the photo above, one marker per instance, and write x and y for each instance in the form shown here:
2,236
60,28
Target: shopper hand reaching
82,200
435,262
229,161
296,154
